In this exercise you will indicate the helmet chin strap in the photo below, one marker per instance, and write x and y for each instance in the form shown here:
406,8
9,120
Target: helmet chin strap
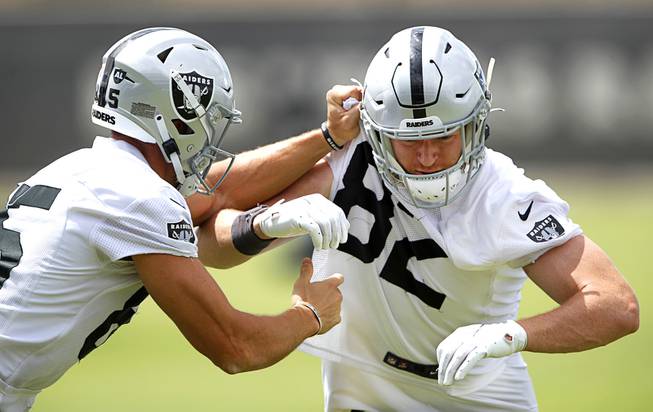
200,111
187,184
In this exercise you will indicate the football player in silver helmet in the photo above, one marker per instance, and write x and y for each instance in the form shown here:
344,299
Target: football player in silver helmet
444,232
426,87
173,89
86,239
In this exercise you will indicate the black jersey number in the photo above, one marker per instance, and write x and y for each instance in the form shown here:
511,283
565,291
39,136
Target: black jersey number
11,250
115,320
395,269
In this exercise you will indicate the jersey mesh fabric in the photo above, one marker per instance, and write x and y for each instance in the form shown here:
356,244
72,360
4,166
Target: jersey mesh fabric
142,228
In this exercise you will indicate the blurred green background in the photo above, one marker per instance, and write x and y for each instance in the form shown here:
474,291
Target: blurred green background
148,366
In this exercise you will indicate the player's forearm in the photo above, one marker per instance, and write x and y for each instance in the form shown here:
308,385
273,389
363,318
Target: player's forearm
260,174
215,243
589,319
264,340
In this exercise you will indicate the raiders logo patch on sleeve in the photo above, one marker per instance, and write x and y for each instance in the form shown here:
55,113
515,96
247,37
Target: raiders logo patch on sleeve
546,229
181,230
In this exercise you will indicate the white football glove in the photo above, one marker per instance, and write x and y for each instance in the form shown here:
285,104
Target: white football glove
461,350
313,214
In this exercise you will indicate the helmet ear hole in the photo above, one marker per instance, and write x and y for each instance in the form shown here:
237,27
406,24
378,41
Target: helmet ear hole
182,127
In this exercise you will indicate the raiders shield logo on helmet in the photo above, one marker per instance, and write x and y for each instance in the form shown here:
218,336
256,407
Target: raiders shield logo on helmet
202,88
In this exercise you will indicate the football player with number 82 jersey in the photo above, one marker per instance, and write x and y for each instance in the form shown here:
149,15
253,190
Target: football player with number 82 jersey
443,234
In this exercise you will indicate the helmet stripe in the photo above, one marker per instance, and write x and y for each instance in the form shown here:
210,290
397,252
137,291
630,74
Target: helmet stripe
109,64
416,73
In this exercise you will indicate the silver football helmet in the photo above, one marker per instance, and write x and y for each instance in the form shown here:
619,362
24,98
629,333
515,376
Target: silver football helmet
167,86
426,84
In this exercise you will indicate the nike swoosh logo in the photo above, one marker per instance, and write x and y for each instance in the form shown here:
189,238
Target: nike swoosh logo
177,203
524,216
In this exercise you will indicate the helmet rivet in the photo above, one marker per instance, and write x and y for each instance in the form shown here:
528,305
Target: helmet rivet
190,148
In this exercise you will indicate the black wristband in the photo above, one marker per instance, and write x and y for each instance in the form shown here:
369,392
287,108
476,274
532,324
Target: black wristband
328,138
242,233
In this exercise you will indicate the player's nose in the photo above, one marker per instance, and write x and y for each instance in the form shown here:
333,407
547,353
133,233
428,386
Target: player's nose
428,153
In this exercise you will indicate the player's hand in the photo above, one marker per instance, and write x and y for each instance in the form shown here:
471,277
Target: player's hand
461,350
313,214
343,123
324,296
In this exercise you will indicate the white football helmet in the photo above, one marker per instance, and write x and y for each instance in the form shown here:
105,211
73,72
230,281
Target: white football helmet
167,86
425,84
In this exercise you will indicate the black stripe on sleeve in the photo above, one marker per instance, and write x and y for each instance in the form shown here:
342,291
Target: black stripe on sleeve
38,196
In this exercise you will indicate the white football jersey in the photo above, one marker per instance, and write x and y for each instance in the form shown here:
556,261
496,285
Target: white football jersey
67,281
412,276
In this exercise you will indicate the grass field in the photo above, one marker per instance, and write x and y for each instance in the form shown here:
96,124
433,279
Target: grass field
148,366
